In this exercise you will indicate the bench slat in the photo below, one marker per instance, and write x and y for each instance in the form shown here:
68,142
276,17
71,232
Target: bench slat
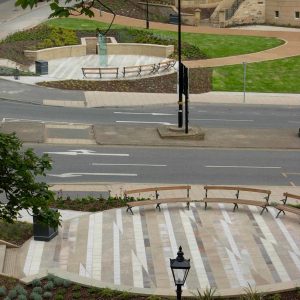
153,189
236,188
234,200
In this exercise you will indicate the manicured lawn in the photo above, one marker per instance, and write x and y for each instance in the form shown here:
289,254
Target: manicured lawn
211,45
277,76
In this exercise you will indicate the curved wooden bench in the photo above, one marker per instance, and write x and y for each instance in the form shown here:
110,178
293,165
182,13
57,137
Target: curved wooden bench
236,200
285,207
165,65
100,71
157,201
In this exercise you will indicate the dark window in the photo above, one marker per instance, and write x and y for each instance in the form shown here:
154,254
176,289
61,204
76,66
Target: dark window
276,13
297,14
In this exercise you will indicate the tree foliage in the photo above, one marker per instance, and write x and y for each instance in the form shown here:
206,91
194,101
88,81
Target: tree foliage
19,188
63,8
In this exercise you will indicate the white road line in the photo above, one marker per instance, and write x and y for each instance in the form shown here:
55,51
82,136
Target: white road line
222,120
86,152
293,173
66,175
294,122
134,165
140,122
41,121
243,167
138,113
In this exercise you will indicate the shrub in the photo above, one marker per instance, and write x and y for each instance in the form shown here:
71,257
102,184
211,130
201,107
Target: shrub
12,294
35,296
22,297
50,277
66,283
58,281
109,293
49,286
76,295
37,290
251,294
36,282
275,297
20,290
59,297
76,287
153,297
47,295
3,290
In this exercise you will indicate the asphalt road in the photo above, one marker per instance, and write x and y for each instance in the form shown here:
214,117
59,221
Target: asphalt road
172,165
205,115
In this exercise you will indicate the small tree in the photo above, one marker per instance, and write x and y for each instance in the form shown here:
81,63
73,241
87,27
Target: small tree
18,184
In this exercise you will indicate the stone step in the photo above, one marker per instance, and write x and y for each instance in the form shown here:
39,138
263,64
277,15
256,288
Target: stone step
2,256
10,262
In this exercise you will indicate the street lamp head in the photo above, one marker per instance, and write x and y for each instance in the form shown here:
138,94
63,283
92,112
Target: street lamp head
180,268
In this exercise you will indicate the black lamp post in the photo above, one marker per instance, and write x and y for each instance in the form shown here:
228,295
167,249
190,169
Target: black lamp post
180,71
180,268
147,14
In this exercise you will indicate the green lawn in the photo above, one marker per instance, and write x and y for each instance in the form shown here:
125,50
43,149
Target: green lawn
212,45
277,76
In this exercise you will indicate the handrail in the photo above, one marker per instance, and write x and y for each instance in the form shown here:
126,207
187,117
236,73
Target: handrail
229,12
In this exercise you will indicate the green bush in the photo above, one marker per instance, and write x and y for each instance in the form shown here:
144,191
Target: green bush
20,290
37,290
47,295
208,294
35,296
58,281
36,282
59,297
12,294
76,295
3,290
22,297
66,283
49,286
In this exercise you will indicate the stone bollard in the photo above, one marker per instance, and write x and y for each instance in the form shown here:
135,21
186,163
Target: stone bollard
197,16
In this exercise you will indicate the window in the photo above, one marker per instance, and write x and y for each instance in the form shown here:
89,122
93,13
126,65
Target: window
297,14
276,13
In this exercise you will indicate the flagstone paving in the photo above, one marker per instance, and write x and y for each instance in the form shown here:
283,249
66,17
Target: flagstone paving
227,249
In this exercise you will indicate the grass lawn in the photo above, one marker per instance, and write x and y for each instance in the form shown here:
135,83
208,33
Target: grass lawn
277,76
210,44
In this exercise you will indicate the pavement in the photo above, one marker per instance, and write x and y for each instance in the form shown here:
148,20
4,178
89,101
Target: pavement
228,250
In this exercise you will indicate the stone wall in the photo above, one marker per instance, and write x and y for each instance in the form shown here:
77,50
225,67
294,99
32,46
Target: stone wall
287,12
249,12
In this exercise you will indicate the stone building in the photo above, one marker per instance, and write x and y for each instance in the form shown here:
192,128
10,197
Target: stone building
283,12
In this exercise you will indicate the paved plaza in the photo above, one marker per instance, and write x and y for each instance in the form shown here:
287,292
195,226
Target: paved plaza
228,250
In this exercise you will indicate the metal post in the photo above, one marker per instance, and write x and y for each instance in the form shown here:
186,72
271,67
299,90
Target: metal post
178,292
245,70
186,93
147,14
180,77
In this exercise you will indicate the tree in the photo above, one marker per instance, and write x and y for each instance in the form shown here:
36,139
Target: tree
19,188
70,7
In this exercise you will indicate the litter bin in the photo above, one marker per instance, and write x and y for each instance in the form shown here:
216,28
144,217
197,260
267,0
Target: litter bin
41,67
43,232
173,19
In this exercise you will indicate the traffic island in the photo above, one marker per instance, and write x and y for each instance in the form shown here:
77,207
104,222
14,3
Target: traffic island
27,132
173,132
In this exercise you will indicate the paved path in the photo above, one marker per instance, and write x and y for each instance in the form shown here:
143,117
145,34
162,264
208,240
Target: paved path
227,249
290,48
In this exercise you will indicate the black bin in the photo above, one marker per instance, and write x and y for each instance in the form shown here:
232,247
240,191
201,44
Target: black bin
41,67
173,19
43,232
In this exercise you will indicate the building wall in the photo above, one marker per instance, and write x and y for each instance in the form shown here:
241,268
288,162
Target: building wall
286,10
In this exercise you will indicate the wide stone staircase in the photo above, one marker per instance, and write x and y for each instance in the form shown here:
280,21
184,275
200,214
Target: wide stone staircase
9,259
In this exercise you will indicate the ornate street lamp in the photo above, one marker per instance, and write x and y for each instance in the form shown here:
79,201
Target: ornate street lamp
180,268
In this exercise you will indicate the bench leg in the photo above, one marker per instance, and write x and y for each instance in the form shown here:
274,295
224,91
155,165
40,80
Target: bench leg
129,208
235,206
157,206
279,213
264,208
205,206
188,205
